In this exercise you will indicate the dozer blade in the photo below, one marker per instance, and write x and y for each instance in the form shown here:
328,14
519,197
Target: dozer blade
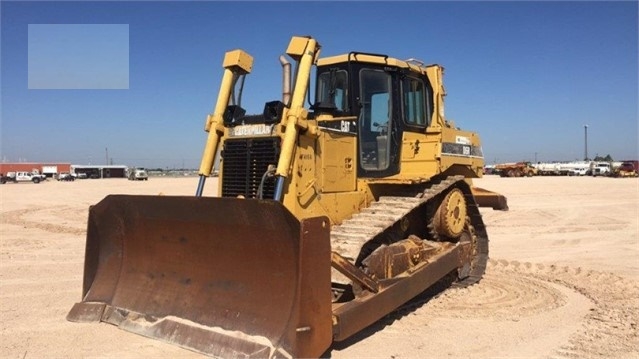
486,198
221,276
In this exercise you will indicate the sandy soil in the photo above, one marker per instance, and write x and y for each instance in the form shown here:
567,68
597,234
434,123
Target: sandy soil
563,279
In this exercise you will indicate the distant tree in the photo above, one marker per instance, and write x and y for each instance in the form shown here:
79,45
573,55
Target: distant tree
608,158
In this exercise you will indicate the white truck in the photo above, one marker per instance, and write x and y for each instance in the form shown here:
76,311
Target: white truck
138,174
601,169
548,169
576,168
16,177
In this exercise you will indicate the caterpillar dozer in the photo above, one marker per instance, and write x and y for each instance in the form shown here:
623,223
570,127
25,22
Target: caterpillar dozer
328,218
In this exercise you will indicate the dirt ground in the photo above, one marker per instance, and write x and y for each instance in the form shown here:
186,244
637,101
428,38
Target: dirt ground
562,282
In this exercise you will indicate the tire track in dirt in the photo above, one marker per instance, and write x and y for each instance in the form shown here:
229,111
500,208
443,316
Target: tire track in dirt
51,214
500,297
511,289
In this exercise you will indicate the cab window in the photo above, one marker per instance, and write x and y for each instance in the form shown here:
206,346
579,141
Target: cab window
416,108
332,89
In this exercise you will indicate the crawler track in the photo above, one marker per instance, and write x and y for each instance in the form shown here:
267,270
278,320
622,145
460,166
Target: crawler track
393,218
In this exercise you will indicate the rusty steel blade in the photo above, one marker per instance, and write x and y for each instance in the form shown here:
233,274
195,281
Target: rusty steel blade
222,276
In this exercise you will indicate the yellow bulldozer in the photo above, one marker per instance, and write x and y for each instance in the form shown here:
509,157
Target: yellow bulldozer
328,218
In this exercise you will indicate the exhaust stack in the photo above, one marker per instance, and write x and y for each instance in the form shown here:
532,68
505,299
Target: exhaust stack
286,79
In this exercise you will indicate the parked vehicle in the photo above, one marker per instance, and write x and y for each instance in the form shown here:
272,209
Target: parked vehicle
627,169
489,170
601,169
138,174
519,169
578,171
66,176
575,168
547,169
15,177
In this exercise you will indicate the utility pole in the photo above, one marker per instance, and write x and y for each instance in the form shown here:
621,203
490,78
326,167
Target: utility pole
586,142
106,149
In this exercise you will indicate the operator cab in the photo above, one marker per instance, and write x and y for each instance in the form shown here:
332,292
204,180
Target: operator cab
383,96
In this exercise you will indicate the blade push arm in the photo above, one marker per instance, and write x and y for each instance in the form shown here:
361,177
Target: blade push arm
236,63
305,50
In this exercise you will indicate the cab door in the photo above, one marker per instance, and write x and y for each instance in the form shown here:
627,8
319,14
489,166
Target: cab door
378,132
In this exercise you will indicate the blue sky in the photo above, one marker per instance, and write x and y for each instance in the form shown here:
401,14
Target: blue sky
78,56
527,76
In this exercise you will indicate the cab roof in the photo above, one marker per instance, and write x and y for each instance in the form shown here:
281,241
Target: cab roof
411,64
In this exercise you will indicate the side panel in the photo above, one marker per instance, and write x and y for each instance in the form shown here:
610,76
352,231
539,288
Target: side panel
419,155
313,190
461,153
337,154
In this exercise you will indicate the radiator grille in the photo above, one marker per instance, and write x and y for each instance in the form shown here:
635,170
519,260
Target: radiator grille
244,163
